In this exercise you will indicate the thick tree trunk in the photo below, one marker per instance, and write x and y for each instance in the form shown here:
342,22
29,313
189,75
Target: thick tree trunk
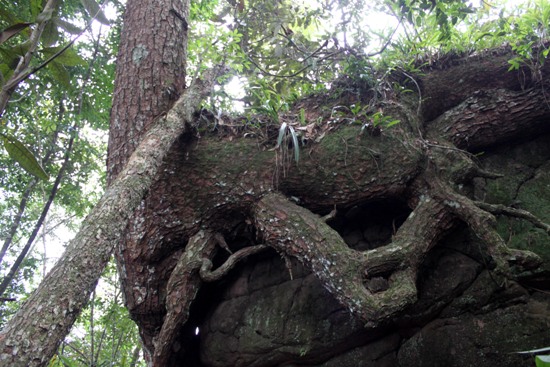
32,336
227,186
150,73
150,79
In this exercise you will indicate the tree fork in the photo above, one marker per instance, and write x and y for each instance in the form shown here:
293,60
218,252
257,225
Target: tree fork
32,336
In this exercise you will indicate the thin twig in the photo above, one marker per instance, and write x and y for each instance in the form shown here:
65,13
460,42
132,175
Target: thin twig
513,212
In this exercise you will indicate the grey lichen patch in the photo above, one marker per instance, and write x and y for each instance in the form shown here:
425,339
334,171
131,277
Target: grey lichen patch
139,53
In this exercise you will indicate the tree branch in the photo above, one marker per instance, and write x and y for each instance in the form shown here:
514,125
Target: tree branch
33,335
499,209
24,62
208,275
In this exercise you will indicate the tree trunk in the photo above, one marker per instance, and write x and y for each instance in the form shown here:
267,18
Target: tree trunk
32,336
143,127
150,73
154,38
235,186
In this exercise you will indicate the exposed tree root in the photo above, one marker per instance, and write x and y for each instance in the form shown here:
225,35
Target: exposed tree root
427,161
208,275
379,283
182,288
193,267
482,223
349,274
499,209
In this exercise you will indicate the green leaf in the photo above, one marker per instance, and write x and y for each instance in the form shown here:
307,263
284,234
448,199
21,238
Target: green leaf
302,116
6,71
514,64
486,34
36,7
69,57
542,361
19,49
282,132
10,58
60,73
7,16
23,156
51,35
392,123
66,26
295,143
94,10
11,31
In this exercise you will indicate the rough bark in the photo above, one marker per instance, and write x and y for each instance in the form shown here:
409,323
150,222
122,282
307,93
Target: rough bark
215,186
193,267
451,80
150,73
32,336
502,120
223,185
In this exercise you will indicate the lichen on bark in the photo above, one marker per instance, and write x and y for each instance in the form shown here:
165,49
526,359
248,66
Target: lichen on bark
227,184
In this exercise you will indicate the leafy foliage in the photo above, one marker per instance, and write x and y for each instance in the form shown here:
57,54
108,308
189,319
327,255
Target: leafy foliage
46,118
531,31
23,156
280,50
60,111
295,48
286,134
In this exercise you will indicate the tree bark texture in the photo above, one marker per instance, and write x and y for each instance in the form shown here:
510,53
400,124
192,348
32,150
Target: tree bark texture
150,73
32,336
150,77
221,183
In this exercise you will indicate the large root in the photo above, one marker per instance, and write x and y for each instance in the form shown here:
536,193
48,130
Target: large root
193,267
378,284
348,274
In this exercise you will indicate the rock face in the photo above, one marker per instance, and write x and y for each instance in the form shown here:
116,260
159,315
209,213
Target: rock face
272,312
